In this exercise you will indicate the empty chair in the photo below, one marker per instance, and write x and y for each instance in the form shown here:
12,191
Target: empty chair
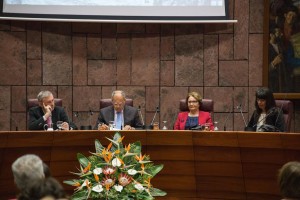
288,110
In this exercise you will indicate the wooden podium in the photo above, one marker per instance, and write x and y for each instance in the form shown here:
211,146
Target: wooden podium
197,165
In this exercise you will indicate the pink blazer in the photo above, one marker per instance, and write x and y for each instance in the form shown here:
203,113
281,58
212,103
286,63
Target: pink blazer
204,117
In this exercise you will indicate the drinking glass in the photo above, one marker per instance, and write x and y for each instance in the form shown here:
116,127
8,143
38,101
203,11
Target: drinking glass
155,126
59,125
165,126
216,126
111,125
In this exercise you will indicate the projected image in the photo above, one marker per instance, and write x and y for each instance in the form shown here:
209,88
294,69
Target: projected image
119,3
116,10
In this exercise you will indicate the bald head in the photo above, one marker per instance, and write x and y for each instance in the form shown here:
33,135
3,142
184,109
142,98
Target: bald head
118,98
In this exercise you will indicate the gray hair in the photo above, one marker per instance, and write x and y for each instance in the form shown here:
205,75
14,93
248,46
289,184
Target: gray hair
43,94
118,92
26,169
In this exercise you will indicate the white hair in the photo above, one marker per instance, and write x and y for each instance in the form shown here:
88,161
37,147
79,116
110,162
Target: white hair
43,94
26,169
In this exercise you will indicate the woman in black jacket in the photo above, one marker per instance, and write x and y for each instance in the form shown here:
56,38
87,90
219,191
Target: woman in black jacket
266,117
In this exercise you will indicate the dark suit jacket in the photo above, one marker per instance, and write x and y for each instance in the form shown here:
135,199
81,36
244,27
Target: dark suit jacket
131,116
204,117
36,120
274,118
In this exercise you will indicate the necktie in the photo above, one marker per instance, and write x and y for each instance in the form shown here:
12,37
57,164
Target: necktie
119,120
49,121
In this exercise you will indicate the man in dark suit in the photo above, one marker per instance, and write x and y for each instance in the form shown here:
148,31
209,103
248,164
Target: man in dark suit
124,117
48,113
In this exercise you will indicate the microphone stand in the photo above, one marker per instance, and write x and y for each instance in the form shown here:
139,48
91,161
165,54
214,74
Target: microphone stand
151,124
141,117
225,122
240,109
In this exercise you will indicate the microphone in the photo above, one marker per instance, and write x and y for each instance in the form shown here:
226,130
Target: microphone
239,107
156,111
141,116
225,122
13,121
227,117
267,127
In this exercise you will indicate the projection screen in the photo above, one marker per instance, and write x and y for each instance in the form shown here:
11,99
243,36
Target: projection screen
116,10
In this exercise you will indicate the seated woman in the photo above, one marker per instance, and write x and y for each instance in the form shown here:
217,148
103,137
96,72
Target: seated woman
194,117
266,117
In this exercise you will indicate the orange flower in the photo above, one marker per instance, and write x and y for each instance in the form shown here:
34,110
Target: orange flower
107,157
88,167
120,139
148,182
127,148
109,146
77,184
140,158
96,177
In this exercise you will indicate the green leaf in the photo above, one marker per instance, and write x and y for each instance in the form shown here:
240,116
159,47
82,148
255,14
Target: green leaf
70,182
84,161
157,192
155,169
80,195
98,146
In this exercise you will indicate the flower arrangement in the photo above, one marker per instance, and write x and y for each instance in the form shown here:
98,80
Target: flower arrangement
116,172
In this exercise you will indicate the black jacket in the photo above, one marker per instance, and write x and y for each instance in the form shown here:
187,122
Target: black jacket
131,116
36,120
274,117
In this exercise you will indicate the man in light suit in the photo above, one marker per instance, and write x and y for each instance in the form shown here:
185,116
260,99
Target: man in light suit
47,113
124,117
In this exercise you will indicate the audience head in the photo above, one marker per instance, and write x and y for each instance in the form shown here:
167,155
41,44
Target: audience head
46,170
193,101
26,169
118,99
46,98
48,188
264,100
289,180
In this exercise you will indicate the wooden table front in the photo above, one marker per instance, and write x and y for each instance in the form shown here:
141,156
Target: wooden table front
197,165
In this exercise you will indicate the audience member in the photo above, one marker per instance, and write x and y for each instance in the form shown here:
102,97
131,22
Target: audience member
289,180
194,117
266,116
48,113
27,169
49,188
125,117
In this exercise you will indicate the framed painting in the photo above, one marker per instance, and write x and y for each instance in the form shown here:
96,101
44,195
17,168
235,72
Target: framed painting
281,72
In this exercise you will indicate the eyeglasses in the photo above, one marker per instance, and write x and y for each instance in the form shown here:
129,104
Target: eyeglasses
118,103
192,102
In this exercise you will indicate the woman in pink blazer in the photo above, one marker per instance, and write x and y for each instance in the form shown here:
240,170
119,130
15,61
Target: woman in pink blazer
193,117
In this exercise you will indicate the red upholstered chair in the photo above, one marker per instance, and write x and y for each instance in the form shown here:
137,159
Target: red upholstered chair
288,110
34,102
207,105
107,102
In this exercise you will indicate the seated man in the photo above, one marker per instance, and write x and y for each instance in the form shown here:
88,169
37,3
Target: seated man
124,117
48,113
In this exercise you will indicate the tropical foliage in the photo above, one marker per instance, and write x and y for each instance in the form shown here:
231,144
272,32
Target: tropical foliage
115,172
